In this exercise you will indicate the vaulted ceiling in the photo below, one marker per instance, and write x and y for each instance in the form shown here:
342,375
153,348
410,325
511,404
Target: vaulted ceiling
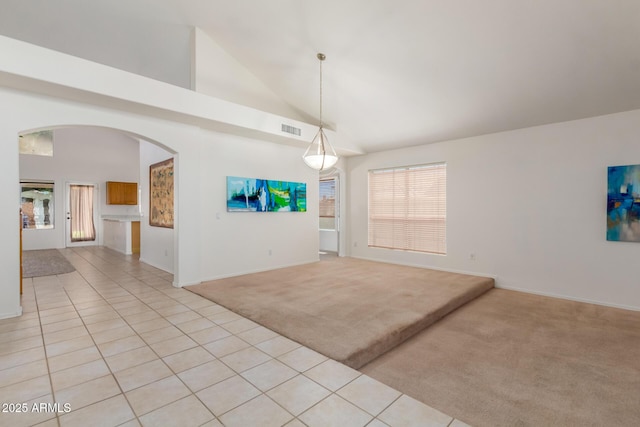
398,72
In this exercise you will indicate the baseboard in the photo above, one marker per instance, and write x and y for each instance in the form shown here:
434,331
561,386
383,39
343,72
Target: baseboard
225,276
569,298
18,313
152,264
448,270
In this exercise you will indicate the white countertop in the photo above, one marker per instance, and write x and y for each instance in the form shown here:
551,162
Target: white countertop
122,218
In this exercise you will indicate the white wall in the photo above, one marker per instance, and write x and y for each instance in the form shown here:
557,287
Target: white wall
9,222
328,240
117,236
156,243
234,243
81,155
530,204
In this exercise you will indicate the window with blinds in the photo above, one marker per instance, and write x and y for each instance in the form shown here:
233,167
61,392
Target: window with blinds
328,204
408,208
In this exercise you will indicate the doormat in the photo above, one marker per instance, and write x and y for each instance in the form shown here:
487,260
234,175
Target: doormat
45,262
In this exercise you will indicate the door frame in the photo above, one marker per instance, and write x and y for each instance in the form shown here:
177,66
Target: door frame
96,214
335,175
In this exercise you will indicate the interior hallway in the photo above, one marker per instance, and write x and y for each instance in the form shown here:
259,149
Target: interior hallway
118,343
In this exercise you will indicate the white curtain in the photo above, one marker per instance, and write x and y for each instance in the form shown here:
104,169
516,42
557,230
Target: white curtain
82,227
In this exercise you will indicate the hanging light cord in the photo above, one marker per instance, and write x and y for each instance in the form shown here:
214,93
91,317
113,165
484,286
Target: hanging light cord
321,57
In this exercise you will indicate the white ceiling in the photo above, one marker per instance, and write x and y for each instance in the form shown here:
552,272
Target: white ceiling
398,72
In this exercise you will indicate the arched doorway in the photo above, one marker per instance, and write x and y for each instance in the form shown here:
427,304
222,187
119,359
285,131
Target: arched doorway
89,157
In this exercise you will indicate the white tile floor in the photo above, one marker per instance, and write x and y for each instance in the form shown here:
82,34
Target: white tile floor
114,343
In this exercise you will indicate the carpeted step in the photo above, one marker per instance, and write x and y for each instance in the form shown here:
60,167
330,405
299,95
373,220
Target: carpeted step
348,309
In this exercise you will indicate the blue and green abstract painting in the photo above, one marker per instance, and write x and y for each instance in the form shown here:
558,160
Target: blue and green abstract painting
262,195
623,203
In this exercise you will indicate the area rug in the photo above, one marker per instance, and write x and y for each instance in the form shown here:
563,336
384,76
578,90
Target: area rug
348,309
45,262
515,359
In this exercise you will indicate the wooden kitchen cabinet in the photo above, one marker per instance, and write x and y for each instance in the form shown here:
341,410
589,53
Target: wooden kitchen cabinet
135,237
122,193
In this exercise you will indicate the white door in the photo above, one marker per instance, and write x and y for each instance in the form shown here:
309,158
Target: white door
82,214
329,198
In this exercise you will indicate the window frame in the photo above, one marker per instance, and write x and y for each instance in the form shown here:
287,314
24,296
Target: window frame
38,143
31,221
320,211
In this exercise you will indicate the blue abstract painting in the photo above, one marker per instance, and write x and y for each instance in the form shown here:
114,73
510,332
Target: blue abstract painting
262,195
623,203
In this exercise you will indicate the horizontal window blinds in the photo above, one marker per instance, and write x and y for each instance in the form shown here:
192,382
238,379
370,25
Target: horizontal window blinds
408,208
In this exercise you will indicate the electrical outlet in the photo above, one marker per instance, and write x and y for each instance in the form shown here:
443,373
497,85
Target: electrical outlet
270,252
472,256
355,244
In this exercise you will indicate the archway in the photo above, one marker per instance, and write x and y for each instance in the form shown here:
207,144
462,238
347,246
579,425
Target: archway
94,155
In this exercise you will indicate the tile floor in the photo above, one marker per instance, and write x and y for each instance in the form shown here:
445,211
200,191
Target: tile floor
115,344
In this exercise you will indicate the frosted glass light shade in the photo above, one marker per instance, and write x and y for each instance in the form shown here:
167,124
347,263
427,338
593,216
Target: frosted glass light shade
320,155
320,162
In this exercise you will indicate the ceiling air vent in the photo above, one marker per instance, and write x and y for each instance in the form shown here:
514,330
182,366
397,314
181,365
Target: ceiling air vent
292,130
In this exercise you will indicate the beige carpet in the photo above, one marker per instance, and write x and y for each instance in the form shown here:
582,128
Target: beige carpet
44,262
515,359
347,309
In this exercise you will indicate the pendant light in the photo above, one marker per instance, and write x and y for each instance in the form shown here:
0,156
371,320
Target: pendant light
320,155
